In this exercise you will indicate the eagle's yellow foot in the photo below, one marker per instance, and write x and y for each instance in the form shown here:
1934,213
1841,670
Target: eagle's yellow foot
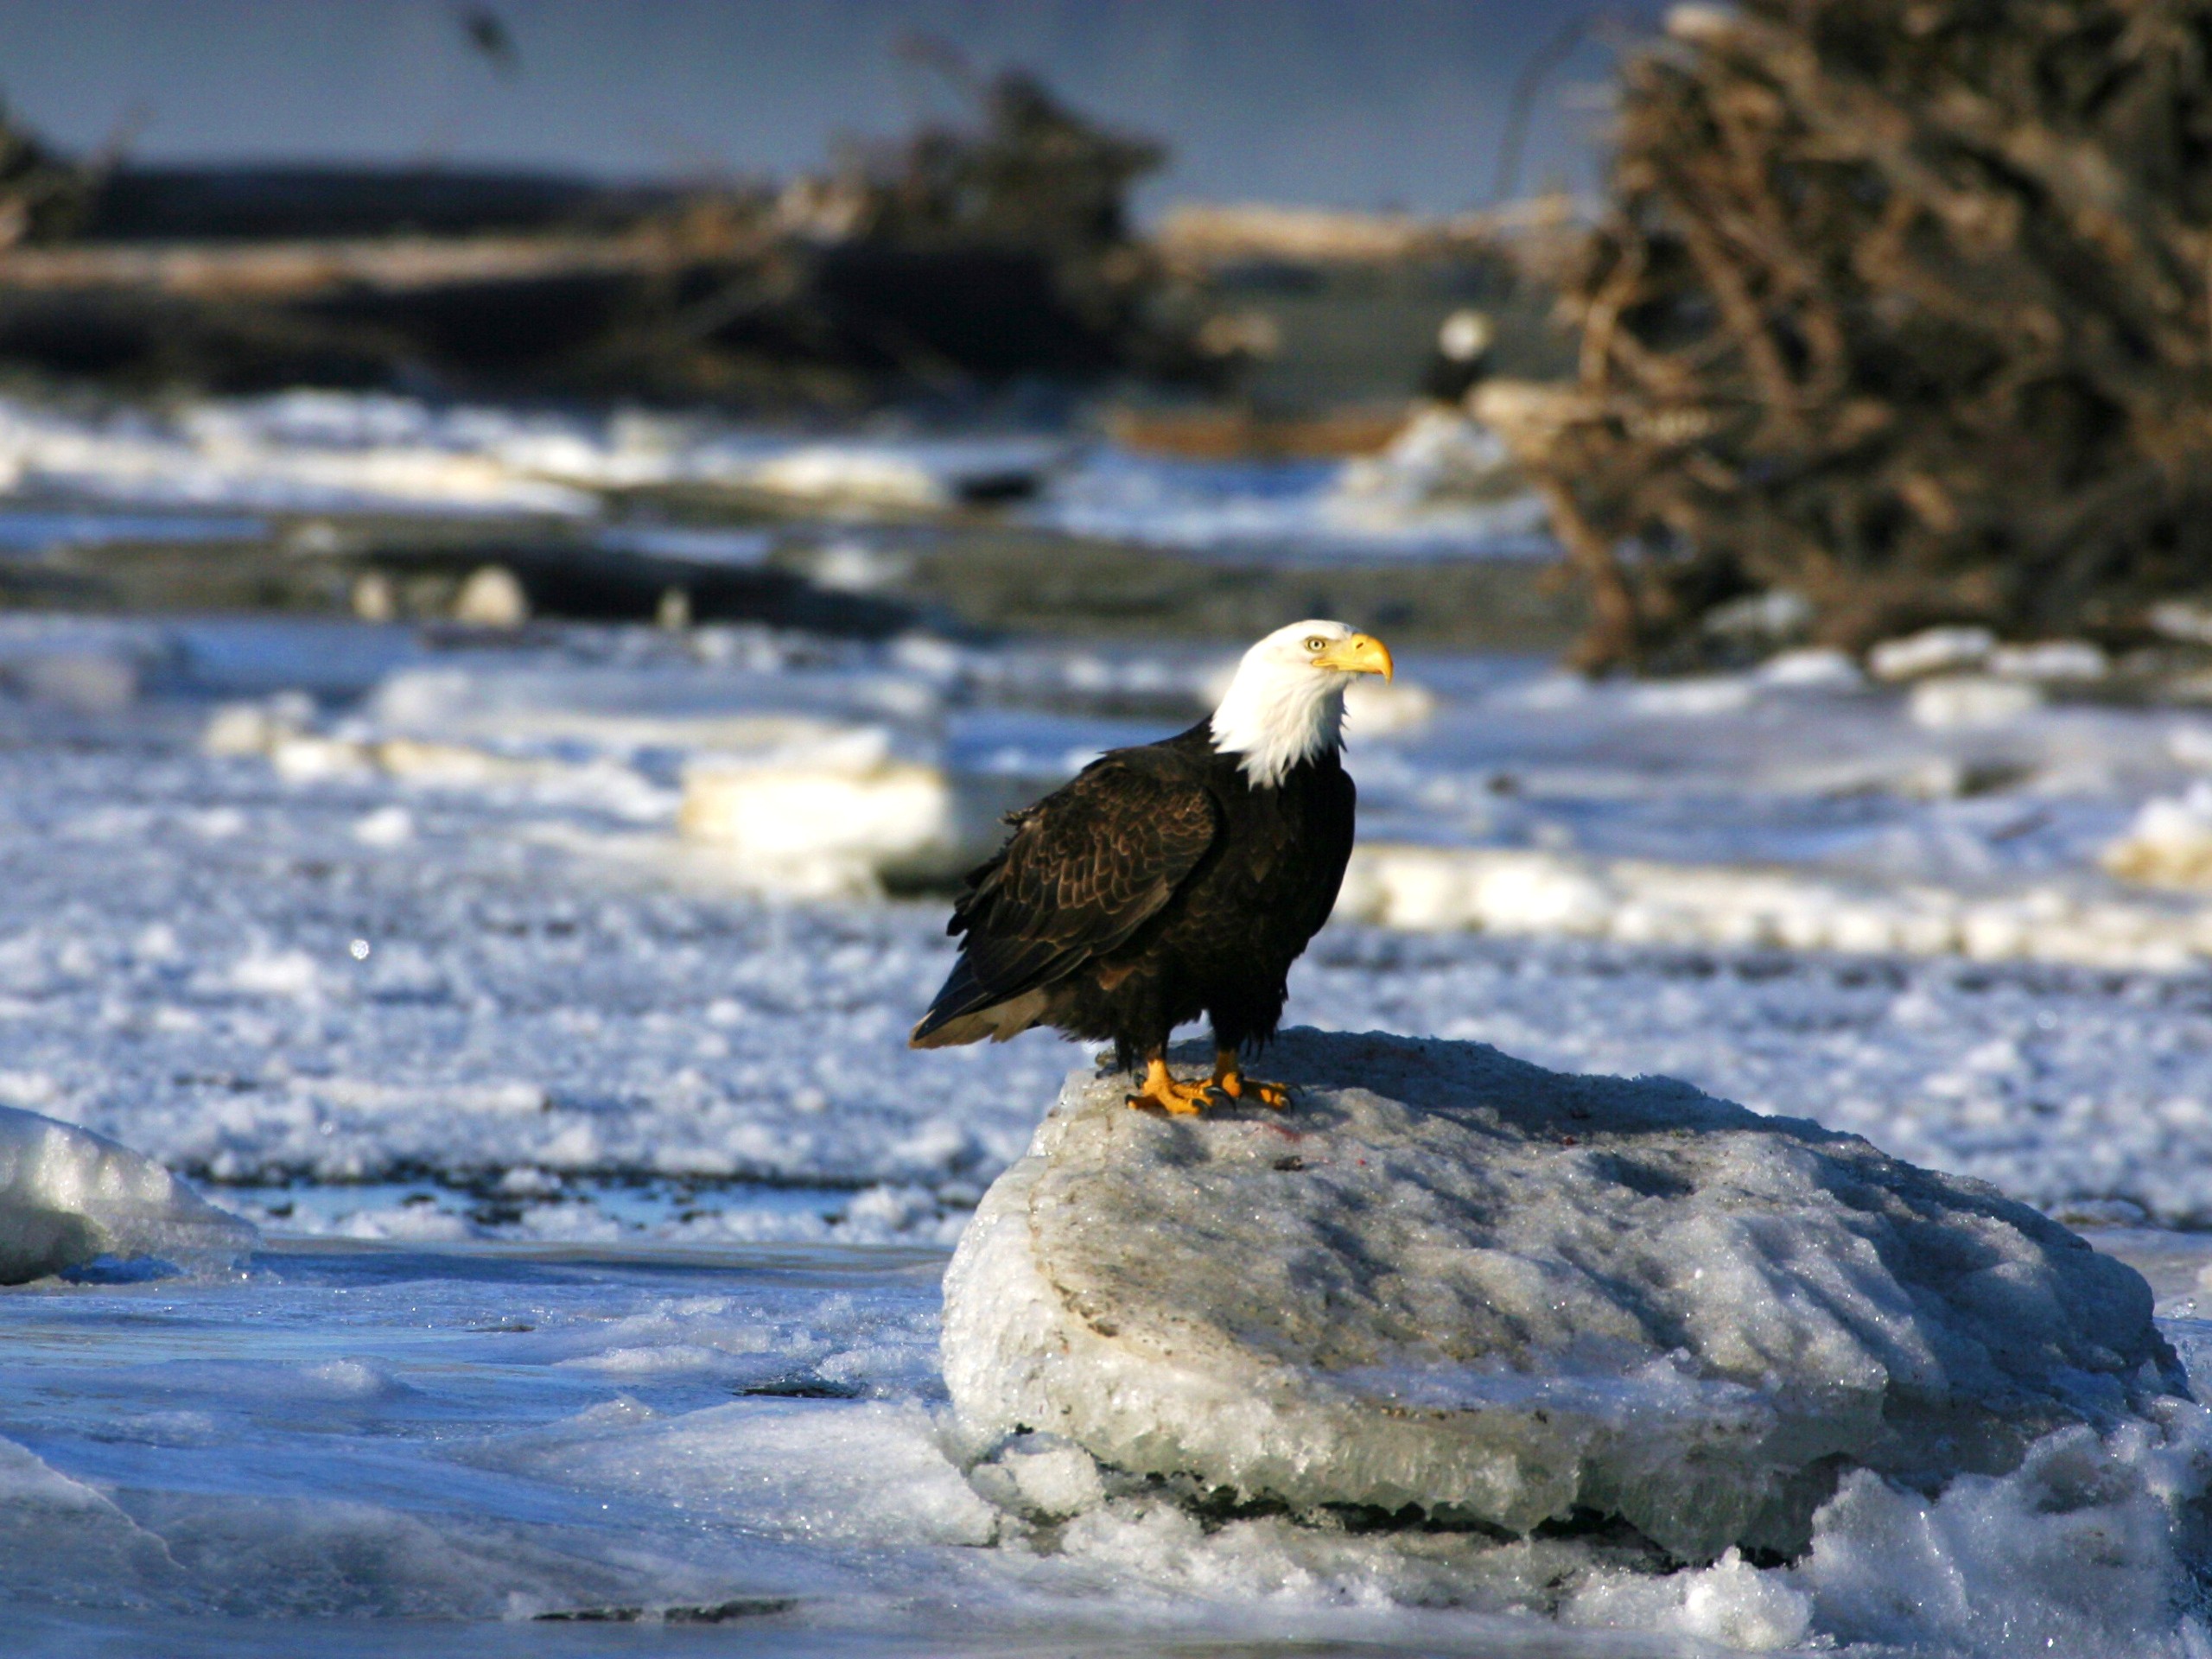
1229,1078
1178,1099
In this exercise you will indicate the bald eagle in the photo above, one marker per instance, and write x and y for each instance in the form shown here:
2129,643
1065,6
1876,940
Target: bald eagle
1176,879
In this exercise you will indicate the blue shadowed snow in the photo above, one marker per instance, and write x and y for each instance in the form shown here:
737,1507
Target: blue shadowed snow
733,548
26,531
1281,511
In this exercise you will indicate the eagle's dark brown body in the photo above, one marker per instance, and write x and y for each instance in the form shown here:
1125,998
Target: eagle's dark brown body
1158,885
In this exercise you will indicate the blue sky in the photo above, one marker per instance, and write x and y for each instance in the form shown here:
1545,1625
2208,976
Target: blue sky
1362,102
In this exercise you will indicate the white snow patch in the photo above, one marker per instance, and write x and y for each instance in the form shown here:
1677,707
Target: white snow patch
843,473
388,826
1441,501
265,972
1812,668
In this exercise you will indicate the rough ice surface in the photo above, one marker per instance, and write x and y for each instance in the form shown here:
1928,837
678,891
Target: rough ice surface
559,1138
312,451
553,985
1456,1282
68,1197
475,1440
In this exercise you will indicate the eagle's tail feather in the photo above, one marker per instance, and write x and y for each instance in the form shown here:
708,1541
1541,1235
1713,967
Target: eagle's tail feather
948,1027
969,1008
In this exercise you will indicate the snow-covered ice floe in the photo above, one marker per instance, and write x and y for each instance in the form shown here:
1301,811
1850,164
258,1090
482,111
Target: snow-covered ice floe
805,780
1454,1283
69,1197
331,451
1643,901
845,814
1534,1300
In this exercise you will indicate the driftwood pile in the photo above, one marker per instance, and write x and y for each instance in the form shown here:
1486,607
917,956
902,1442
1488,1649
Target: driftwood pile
1901,307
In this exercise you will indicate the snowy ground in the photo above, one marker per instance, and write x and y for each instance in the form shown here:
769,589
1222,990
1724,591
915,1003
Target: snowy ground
447,956
483,1046
338,451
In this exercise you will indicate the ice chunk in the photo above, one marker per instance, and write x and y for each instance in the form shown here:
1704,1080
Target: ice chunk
1811,667
2170,843
492,598
1440,455
1946,700
839,472
1933,650
1378,709
859,1471
67,1196
844,815
1455,1281
1779,614
2053,659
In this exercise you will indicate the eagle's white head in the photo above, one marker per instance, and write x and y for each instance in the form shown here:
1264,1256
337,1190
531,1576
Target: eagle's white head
1286,702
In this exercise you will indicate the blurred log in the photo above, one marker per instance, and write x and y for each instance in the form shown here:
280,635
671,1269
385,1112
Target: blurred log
1901,305
294,270
968,255
275,203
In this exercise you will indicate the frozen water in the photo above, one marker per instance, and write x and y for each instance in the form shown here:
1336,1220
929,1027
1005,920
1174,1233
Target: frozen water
1621,811
376,1449
544,980
1441,491
514,1051
1297,511
68,1197
326,451
1453,1282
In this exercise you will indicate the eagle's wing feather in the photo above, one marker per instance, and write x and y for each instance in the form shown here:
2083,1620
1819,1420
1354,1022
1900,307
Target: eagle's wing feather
1084,869
1330,829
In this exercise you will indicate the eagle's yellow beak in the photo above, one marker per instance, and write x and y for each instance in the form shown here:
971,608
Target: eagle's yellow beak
1361,654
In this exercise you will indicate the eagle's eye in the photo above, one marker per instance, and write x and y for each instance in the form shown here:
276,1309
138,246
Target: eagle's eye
1317,644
